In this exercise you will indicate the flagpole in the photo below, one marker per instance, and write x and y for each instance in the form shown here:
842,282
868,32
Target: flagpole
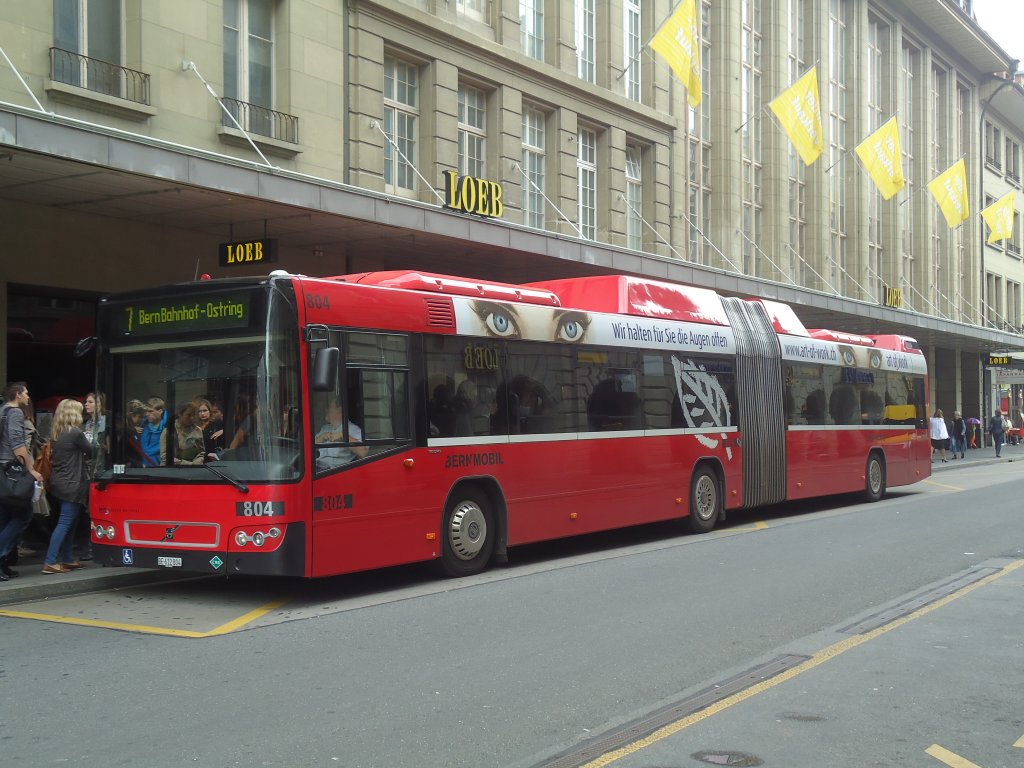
758,114
890,117
636,58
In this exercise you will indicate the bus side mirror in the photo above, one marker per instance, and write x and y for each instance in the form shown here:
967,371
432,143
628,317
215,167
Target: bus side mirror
325,369
85,346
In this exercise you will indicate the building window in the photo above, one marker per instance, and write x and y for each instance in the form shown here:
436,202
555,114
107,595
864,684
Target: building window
993,147
531,28
877,106
1013,161
586,67
750,134
699,153
249,62
1013,246
586,183
943,153
631,48
796,19
533,167
401,115
908,140
472,131
634,199
836,268
92,29
474,9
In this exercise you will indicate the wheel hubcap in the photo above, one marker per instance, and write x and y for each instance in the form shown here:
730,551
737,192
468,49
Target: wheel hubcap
875,476
705,497
467,531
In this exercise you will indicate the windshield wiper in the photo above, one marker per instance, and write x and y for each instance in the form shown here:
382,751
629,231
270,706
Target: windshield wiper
239,485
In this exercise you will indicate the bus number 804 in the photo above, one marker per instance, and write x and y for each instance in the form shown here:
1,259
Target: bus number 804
259,508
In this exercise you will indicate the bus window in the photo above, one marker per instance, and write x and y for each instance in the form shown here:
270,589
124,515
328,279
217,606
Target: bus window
368,413
540,391
462,385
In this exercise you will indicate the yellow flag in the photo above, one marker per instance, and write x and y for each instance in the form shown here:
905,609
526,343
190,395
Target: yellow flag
880,153
999,217
950,191
799,110
678,42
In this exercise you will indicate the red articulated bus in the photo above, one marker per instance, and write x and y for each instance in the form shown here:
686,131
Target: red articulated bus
382,418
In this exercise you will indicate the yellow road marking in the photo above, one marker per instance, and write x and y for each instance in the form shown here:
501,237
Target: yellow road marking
223,629
1019,742
929,481
951,759
816,660
761,525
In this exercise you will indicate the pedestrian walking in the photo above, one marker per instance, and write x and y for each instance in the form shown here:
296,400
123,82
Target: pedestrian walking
72,449
958,435
940,435
995,428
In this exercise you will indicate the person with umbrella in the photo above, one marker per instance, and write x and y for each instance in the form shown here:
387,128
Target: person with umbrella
972,428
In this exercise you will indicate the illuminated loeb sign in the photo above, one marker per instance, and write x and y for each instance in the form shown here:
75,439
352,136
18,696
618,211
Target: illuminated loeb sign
247,252
472,195
215,312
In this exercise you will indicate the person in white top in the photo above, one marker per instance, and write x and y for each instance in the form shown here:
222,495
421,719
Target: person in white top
332,433
940,435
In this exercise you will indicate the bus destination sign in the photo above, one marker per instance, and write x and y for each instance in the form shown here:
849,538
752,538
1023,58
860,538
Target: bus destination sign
215,312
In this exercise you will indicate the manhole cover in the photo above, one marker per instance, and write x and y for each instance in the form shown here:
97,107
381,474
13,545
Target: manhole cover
720,757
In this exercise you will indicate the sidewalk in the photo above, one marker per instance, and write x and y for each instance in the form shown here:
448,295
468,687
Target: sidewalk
32,584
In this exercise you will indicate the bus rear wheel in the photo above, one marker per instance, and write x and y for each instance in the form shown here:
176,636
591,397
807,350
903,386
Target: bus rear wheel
468,535
705,501
874,479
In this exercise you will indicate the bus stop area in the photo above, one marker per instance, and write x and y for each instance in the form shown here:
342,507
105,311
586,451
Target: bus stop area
31,584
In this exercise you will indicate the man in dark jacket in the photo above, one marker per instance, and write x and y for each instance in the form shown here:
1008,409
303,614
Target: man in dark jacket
14,518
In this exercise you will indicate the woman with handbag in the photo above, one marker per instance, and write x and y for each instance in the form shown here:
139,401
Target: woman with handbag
15,512
69,482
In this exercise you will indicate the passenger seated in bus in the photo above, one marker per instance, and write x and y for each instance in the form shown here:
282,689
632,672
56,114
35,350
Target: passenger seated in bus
442,414
814,407
154,438
843,405
246,424
611,408
212,428
505,419
134,424
871,408
465,406
188,437
333,432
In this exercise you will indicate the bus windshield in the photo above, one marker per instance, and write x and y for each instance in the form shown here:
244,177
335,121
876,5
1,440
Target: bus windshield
195,398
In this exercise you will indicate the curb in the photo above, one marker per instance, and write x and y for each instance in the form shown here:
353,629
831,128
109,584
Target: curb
26,587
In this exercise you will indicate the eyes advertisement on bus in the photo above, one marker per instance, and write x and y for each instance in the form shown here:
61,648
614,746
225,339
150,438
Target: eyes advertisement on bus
215,312
478,317
802,349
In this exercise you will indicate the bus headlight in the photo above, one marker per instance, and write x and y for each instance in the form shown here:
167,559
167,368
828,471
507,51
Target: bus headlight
110,531
258,538
241,538
98,530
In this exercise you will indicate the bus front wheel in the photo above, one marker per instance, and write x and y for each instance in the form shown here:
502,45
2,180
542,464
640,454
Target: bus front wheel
874,479
468,535
705,500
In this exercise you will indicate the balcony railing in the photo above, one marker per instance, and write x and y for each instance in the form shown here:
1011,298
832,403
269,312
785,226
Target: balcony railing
99,76
262,121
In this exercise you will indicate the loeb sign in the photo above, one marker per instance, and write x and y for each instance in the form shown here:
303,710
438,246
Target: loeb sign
247,252
472,195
